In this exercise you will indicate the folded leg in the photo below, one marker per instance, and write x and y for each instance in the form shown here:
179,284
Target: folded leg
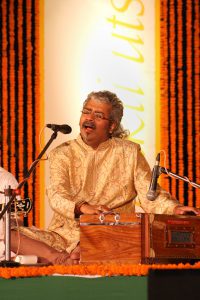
45,253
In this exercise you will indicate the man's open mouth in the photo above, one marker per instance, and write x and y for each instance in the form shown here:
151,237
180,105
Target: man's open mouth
88,125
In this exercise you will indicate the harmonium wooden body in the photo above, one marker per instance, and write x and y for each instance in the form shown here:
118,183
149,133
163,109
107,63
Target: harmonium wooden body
139,238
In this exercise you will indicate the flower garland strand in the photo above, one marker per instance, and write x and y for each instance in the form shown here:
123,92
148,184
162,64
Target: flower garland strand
91,270
179,101
20,114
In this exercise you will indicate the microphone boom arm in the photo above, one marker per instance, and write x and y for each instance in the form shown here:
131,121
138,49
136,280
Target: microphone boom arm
32,168
168,172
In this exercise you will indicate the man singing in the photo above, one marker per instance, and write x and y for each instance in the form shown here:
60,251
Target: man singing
98,172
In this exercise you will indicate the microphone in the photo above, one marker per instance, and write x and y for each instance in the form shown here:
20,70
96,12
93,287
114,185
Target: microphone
152,194
65,129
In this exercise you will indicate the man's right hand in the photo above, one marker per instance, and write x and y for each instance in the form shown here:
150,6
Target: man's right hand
93,209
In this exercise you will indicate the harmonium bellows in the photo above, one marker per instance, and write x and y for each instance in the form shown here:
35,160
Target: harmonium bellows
139,238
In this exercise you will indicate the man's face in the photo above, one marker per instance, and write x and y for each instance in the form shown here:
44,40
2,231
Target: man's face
95,124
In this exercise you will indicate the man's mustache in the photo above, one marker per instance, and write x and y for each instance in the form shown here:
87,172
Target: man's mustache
89,124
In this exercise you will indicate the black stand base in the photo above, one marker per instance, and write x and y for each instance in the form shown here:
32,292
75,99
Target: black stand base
9,264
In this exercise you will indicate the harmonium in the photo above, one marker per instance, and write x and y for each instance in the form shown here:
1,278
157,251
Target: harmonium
139,238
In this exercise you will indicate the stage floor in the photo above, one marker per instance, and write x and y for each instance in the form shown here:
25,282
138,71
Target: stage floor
66,287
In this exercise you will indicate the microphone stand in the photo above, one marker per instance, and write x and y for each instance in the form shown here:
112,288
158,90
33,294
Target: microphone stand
8,192
6,210
168,172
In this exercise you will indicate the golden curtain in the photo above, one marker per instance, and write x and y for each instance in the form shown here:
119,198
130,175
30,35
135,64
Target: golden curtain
180,99
19,94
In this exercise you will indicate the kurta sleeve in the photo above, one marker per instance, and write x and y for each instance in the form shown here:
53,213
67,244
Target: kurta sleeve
164,203
62,196
59,192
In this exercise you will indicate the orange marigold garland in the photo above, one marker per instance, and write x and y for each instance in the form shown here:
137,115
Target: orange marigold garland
180,104
20,114
90,270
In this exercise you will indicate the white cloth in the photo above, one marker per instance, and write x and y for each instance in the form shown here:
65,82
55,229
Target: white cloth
6,179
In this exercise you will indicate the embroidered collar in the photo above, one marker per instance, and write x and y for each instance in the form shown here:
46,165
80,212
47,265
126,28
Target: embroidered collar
102,146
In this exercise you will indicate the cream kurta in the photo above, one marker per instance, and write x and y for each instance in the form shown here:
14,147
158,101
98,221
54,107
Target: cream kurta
113,175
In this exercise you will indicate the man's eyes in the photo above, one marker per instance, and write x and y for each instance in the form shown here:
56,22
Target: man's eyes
97,115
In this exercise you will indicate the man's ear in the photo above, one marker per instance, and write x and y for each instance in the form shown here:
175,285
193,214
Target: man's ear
113,126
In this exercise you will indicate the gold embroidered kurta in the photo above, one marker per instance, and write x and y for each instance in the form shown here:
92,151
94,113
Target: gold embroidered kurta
113,175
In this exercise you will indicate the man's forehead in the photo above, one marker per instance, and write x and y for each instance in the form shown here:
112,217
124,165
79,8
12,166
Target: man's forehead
97,104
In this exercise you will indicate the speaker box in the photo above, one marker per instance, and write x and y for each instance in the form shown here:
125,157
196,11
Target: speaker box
174,284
